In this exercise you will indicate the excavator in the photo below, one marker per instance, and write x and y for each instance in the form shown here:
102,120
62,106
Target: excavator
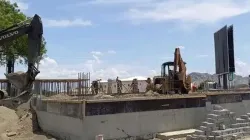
175,79
23,81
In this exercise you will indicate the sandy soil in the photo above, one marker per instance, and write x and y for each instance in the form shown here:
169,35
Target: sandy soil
100,96
14,127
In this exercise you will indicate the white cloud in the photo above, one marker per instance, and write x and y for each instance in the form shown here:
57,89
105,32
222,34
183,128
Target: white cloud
111,52
67,23
181,47
241,67
202,55
50,68
21,4
97,59
192,11
96,53
98,68
153,73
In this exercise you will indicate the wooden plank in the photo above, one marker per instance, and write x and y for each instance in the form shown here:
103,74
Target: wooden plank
175,134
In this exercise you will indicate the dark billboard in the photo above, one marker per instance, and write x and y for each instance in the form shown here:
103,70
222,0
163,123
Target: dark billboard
224,50
230,34
221,51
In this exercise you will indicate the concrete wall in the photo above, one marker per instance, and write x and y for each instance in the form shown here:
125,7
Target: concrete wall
61,119
123,125
68,120
144,124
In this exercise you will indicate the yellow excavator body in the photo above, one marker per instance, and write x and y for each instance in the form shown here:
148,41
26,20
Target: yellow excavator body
175,80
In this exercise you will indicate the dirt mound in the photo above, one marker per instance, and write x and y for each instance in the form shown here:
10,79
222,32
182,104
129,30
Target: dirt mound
17,127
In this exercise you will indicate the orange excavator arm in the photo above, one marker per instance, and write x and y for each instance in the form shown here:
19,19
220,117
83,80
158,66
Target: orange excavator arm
179,63
180,68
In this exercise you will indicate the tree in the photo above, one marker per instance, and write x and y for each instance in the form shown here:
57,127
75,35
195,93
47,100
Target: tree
10,14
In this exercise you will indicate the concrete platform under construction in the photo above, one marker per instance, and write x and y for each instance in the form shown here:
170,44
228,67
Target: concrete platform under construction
131,118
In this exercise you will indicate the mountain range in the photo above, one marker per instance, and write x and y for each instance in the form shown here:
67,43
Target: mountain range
200,77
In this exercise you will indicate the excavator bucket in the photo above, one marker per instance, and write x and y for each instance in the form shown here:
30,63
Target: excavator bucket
18,79
21,81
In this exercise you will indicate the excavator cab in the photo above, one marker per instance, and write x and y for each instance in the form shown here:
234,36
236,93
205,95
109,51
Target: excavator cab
168,78
163,81
173,79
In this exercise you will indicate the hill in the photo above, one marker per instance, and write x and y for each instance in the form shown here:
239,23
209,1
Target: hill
200,77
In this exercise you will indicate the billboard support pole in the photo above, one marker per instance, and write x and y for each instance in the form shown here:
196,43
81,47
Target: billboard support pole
219,83
225,86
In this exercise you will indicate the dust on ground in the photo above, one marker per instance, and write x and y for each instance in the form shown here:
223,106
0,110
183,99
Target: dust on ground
101,96
18,127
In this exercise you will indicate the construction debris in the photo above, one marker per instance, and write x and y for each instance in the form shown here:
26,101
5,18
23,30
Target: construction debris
222,124
175,135
151,93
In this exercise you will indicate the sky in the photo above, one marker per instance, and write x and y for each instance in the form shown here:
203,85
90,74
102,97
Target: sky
128,38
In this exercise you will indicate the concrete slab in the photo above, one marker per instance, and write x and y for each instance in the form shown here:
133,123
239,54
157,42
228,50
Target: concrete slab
175,134
146,98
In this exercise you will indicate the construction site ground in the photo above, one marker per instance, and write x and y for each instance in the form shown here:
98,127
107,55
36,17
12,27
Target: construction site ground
134,96
100,96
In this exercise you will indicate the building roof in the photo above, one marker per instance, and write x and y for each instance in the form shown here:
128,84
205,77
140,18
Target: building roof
129,79
135,77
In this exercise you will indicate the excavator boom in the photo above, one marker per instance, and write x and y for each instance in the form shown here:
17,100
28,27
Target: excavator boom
184,80
34,29
179,63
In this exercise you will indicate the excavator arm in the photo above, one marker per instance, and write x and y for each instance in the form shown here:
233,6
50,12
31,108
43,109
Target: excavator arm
34,29
180,71
179,64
